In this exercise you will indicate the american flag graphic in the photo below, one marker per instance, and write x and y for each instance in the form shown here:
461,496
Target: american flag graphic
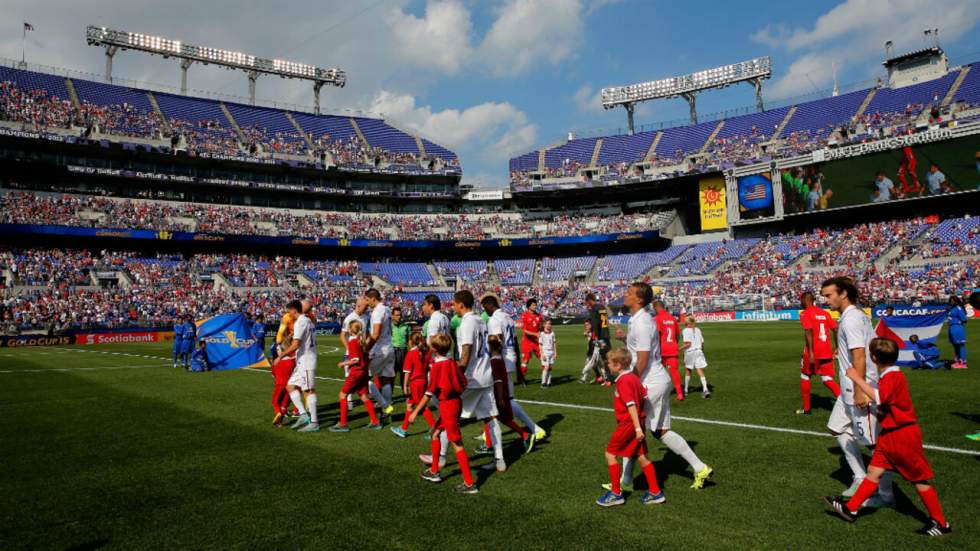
28,26
755,191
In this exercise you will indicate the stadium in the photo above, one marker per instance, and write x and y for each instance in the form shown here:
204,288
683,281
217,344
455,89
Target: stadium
164,251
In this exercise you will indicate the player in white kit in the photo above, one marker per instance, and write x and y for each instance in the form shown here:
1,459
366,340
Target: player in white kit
381,353
549,353
643,343
854,418
303,379
694,356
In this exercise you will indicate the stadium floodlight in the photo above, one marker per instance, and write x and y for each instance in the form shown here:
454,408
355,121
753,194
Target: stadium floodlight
687,86
115,40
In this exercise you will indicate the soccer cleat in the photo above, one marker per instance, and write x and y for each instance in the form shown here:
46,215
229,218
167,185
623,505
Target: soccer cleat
301,421
701,477
374,426
389,410
706,394
975,436
339,428
540,434
427,459
479,437
312,427
839,506
623,487
277,420
934,529
529,442
483,449
584,381
467,489
804,412
431,476
610,499
653,499
853,488
499,466
399,432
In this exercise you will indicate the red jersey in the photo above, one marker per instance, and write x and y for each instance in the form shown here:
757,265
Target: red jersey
282,369
531,321
446,380
629,392
354,353
894,402
667,329
415,366
820,322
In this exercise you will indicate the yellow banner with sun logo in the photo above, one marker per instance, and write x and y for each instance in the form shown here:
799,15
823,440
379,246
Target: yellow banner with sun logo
714,209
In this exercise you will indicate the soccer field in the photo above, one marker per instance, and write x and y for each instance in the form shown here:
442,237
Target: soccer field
109,446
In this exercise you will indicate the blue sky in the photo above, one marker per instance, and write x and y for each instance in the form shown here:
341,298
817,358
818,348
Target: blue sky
497,78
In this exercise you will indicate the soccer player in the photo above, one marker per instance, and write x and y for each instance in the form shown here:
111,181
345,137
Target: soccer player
178,339
188,336
818,349
853,417
415,377
925,352
668,330
446,381
501,325
599,343
956,321
359,313
281,371
381,354
530,327
438,322
549,353
356,380
694,356
899,444
643,344
303,380
629,438
502,386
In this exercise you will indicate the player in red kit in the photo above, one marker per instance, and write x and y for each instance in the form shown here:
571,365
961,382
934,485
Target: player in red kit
446,382
629,438
818,349
357,378
416,378
906,172
899,445
281,371
531,322
668,330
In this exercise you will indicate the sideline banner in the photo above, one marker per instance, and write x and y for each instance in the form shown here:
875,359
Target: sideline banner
907,320
768,315
35,340
123,338
229,343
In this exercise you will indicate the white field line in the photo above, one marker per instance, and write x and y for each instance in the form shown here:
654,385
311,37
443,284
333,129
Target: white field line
100,368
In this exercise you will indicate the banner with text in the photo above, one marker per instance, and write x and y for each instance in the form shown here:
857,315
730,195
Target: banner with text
714,205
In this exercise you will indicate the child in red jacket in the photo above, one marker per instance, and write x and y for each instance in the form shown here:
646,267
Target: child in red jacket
416,378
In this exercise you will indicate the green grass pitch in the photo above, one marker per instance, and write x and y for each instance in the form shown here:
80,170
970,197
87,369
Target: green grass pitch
149,457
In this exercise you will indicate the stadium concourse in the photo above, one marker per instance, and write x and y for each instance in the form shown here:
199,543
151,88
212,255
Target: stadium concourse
918,260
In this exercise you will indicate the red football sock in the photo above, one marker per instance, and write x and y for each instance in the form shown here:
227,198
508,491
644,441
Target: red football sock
863,493
429,418
805,392
343,413
676,377
486,435
651,478
405,422
931,500
615,471
436,450
371,413
833,387
464,466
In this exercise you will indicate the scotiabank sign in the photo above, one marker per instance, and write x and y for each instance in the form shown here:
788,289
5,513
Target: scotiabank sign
35,340
714,316
119,338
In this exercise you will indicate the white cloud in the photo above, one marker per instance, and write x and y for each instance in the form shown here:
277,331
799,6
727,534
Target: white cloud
588,100
854,31
528,33
439,40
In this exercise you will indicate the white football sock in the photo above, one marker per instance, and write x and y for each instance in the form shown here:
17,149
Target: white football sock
297,399
687,382
678,445
627,477
523,416
311,403
852,454
443,446
704,384
376,394
386,392
495,438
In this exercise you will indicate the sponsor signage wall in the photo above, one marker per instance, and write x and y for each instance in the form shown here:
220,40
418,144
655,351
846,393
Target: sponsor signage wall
35,340
768,315
122,338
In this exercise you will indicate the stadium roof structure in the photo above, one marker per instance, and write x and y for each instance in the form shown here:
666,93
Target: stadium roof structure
687,86
114,40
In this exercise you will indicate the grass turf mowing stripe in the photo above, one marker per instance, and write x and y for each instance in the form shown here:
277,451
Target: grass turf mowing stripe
98,368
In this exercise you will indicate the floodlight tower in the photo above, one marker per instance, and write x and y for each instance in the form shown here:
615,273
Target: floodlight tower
753,71
115,40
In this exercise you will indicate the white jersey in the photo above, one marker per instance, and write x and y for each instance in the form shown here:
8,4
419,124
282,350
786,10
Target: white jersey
438,323
854,331
693,336
305,333
500,323
547,342
473,331
642,337
363,318
381,315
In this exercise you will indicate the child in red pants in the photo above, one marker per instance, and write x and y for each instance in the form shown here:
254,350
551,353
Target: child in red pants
416,378
281,371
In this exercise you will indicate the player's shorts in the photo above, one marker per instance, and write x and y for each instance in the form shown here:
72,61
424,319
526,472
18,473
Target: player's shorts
656,408
861,423
528,348
282,370
694,359
623,442
901,450
957,334
821,367
416,390
303,378
356,382
548,358
186,347
382,365
670,362
478,403
449,412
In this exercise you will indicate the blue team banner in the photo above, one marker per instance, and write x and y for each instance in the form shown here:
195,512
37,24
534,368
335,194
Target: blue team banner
229,343
906,320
